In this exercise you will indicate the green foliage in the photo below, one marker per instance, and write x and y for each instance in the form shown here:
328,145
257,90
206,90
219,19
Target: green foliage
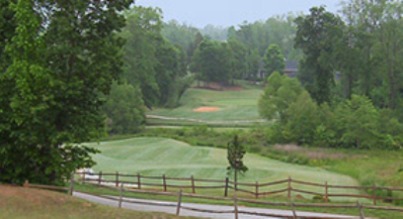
239,63
370,50
171,74
356,122
280,92
279,30
7,27
152,62
51,90
141,33
274,60
124,109
252,61
391,130
235,154
183,36
302,120
317,36
212,62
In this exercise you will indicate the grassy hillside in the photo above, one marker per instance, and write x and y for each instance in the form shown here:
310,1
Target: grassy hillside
157,156
20,203
232,106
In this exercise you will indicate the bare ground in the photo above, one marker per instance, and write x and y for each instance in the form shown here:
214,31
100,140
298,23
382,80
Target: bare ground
317,153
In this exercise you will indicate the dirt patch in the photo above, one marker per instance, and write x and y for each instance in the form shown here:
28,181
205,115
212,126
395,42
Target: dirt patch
31,196
311,153
219,87
206,109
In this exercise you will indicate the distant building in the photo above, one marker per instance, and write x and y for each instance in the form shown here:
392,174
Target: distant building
291,69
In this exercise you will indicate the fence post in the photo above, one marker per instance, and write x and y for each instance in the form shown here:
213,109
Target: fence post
83,178
138,181
178,207
374,194
192,180
164,182
289,188
257,190
226,187
120,196
326,192
99,177
117,179
71,190
235,206
361,210
294,213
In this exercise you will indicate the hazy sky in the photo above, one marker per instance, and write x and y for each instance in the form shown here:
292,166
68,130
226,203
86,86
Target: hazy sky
232,12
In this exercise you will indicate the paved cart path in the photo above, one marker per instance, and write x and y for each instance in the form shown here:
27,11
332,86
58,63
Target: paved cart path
170,208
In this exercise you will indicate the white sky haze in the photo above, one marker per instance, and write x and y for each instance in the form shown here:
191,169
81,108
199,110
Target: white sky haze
226,13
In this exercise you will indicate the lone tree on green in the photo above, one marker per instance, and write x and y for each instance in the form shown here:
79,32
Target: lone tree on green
235,153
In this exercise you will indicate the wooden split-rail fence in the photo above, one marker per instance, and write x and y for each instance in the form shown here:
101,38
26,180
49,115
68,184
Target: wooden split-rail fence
288,187
126,187
289,208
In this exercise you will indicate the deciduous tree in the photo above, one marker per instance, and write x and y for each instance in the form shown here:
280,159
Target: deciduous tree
317,35
63,54
274,60
125,109
235,154
279,93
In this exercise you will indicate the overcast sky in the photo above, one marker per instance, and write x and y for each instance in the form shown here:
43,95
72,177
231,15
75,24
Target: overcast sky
232,12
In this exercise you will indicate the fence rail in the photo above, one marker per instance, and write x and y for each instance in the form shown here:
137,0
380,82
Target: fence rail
235,201
258,190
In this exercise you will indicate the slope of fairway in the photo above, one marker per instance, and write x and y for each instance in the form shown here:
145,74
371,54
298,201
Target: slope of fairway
231,106
157,156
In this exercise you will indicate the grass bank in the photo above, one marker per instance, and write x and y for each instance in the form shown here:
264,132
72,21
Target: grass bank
21,203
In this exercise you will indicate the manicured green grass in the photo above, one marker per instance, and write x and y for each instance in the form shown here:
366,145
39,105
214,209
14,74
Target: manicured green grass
157,156
372,167
233,106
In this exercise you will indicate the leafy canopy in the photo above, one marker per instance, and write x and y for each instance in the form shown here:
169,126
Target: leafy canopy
235,154
63,54
274,60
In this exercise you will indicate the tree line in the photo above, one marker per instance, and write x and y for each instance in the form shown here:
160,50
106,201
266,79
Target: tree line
349,92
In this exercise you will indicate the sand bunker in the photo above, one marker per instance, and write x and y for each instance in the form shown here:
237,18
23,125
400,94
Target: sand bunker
206,109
